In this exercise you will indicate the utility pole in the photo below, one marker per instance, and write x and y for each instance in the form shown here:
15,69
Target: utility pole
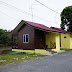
55,20
32,10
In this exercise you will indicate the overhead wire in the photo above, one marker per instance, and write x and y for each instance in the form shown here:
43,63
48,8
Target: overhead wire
51,9
24,12
8,16
47,7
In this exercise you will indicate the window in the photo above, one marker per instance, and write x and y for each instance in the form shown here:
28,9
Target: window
26,38
65,37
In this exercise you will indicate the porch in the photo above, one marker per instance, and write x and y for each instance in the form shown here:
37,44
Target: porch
53,41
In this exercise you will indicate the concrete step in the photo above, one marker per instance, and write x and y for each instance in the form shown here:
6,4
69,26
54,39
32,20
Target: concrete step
42,51
51,51
39,51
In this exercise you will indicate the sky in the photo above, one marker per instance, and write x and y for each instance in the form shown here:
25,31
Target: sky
13,11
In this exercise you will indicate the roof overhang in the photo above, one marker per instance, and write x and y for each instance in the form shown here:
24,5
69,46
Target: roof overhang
43,28
15,31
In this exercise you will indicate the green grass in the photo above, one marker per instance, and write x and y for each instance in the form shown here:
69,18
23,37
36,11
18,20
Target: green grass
66,49
10,57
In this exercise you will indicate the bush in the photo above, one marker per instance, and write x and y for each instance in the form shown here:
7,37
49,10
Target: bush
4,39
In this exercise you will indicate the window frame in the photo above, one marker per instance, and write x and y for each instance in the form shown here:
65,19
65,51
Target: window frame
25,38
65,37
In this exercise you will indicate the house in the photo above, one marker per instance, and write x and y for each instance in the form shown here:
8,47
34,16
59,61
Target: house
65,38
35,37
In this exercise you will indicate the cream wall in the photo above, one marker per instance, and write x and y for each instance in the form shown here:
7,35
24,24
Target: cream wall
54,38
65,42
57,42
50,37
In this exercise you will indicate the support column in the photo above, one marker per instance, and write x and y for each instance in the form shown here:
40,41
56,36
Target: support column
57,42
12,41
45,40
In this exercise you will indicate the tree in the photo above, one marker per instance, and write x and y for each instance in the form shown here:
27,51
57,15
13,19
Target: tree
66,18
4,39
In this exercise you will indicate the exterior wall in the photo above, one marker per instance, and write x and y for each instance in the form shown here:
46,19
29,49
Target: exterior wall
57,42
25,29
50,37
39,37
54,38
65,42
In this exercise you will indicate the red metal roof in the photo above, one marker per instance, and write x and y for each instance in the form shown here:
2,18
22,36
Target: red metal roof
41,26
37,25
59,29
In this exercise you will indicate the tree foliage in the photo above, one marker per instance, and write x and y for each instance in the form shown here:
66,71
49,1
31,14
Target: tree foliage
4,39
66,18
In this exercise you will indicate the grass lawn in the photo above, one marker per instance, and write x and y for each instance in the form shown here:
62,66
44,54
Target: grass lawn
10,58
66,49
